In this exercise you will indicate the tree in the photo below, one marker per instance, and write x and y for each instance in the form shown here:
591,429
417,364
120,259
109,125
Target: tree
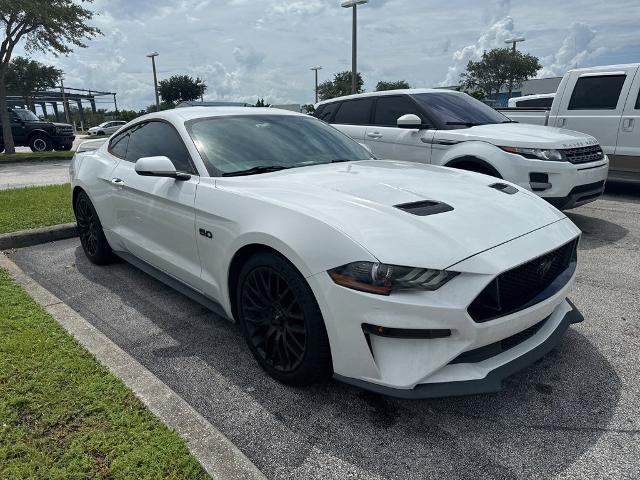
53,26
180,88
24,77
260,103
396,85
308,108
495,69
339,86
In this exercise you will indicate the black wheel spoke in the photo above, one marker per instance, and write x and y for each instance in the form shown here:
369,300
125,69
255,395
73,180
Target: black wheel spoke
273,319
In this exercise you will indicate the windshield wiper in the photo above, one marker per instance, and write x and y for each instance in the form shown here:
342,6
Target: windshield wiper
466,124
341,160
254,170
510,121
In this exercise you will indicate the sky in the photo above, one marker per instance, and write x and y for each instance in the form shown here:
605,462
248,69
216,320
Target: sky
250,49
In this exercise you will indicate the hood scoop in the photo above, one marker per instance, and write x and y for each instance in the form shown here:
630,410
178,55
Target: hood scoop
425,207
504,188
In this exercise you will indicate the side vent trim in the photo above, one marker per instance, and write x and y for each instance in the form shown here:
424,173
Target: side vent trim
425,207
504,188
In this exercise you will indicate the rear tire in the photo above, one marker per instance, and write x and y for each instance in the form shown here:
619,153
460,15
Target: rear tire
281,321
92,238
40,143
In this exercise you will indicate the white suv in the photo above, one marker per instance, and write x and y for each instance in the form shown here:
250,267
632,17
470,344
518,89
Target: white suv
449,128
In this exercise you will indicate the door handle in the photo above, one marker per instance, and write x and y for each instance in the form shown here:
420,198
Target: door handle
118,182
374,135
627,124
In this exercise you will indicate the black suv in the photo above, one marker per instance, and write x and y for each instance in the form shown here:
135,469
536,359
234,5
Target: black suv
39,135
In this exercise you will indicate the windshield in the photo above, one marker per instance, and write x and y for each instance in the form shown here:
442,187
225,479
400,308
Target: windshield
261,142
26,115
459,110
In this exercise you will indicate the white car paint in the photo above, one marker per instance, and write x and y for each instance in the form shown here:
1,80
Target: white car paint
616,127
531,100
568,184
320,217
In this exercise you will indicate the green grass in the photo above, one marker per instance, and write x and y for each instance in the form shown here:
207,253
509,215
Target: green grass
26,156
32,207
64,416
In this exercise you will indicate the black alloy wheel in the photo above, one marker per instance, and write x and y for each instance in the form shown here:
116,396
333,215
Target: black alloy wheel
92,238
281,321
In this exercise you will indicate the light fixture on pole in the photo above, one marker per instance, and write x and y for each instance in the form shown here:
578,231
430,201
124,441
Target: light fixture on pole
354,42
316,70
153,56
513,41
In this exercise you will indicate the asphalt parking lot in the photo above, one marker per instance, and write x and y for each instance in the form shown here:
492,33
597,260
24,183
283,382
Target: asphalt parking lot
27,174
575,414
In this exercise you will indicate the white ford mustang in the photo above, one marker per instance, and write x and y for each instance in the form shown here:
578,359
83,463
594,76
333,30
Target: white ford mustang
411,280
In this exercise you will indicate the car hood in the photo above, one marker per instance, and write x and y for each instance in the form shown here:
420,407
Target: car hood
520,135
360,198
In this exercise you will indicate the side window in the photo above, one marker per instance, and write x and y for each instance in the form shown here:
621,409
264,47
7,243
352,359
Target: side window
153,139
354,112
597,93
389,109
637,107
118,145
327,112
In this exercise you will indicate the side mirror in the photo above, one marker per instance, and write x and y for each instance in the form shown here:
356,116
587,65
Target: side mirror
160,166
410,121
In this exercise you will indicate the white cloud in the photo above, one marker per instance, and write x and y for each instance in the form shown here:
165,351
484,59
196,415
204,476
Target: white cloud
245,49
578,47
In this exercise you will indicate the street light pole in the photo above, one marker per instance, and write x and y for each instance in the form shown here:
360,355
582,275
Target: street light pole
153,56
354,41
316,70
513,42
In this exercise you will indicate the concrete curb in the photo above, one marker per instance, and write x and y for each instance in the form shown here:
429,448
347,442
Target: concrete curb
35,236
12,161
215,452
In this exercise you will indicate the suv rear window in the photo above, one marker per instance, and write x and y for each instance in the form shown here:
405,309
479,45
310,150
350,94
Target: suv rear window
325,112
597,93
354,112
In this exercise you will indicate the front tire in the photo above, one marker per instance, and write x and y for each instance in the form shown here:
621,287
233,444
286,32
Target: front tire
40,143
92,238
281,321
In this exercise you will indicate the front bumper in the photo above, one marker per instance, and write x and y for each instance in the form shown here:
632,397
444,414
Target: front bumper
492,382
61,141
402,364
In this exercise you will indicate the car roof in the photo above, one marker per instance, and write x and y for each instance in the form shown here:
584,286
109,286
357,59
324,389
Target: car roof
192,113
405,91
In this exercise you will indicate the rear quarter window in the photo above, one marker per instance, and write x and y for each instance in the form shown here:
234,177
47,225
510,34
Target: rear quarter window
597,93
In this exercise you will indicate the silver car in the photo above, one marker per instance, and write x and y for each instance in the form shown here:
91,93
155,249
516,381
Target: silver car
106,128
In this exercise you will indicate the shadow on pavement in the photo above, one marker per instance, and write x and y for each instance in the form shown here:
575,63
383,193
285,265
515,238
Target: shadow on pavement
547,417
596,232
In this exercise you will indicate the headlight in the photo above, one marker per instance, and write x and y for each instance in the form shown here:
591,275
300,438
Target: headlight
383,279
537,153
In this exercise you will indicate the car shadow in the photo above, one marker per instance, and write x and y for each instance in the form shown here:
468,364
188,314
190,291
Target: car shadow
596,232
547,416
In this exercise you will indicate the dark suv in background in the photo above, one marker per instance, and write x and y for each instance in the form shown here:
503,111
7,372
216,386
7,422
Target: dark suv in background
39,135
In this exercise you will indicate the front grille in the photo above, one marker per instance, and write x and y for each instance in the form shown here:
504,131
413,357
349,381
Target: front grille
525,285
584,154
496,348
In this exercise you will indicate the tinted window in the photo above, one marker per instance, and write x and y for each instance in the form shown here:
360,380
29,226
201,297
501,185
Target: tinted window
389,109
459,110
118,145
326,111
232,144
597,93
158,138
354,112
535,103
638,102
